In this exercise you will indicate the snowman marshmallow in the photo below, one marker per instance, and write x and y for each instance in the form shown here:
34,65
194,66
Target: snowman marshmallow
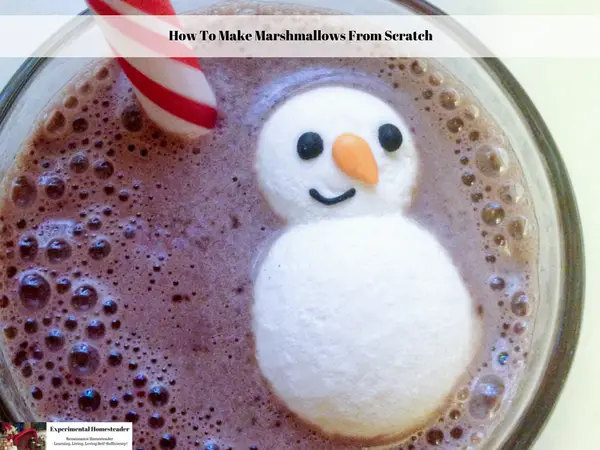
334,152
363,325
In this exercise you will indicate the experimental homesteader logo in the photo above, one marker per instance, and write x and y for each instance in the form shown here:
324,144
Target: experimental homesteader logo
115,435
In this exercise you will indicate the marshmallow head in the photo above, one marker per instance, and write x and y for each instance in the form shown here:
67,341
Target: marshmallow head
336,152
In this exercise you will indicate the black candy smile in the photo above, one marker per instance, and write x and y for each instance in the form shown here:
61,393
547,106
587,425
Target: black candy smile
334,200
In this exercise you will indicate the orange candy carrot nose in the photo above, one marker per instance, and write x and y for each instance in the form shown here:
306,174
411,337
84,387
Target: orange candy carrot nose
354,157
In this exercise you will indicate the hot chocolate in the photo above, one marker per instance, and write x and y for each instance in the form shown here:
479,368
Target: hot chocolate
129,255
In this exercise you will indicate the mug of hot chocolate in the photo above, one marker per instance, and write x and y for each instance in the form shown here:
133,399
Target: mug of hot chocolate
363,253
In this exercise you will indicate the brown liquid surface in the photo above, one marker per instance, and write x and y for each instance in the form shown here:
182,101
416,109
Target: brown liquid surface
168,230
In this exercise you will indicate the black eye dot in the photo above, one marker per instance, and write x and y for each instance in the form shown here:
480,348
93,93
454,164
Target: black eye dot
310,145
390,137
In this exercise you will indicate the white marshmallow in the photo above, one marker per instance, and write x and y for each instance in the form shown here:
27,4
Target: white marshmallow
330,111
363,325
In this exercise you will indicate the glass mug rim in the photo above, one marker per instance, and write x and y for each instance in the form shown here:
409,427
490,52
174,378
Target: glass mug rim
534,417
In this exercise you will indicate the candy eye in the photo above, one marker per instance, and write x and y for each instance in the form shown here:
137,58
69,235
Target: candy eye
310,145
390,137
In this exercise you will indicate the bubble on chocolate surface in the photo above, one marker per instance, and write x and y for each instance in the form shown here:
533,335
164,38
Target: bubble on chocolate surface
129,232
31,326
84,297
79,163
499,240
55,340
63,285
37,353
99,249
140,380
85,88
477,437
58,250
435,436
520,327
511,193
24,192
468,178
56,381
102,73
167,441
449,98
471,112
418,67
80,125
94,223
34,291
517,227
54,187
491,161
104,169
83,360
89,400
10,332
158,396
37,393
519,304
502,358
115,358
95,329
132,417
26,370
71,102
156,421
492,214
131,118
28,248
486,397
455,124
497,283
71,323
109,307
436,79
128,397
56,123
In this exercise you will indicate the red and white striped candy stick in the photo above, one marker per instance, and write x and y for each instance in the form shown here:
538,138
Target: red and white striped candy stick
173,91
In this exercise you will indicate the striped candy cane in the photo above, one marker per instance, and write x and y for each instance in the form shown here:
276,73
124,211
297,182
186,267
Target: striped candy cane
173,91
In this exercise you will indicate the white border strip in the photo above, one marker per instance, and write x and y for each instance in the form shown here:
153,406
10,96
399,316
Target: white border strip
501,36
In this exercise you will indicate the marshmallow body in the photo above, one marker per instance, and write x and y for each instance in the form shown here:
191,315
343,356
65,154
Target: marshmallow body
363,325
